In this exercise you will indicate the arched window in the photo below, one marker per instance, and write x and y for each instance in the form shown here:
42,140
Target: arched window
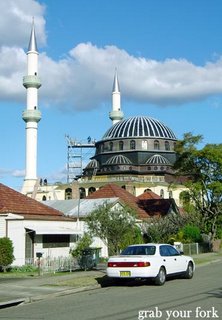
132,144
121,145
44,198
167,145
162,193
156,145
91,190
111,146
68,193
82,193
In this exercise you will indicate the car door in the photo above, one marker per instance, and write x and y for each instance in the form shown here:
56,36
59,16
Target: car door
177,260
166,259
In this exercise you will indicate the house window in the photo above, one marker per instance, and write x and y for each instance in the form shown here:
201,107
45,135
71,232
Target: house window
55,240
132,144
121,145
156,145
167,145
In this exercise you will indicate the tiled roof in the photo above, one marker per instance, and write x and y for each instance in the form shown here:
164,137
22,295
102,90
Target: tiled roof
148,195
114,191
158,207
12,201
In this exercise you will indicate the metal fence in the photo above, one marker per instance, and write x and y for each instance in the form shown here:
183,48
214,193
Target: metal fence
58,264
192,248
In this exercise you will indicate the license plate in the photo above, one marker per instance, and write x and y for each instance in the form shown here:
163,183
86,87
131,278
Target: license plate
125,273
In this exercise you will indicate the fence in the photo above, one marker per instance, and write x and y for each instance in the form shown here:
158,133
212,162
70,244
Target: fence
192,248
54,264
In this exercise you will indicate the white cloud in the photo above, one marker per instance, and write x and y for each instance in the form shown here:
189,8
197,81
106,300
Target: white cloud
83,79
16,19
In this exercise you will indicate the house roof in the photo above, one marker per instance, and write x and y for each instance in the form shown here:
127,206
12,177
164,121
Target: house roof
114,191
12,201
83,207
158,207
148,195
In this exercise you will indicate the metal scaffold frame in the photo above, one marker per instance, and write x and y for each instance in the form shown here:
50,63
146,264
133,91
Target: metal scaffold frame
78,153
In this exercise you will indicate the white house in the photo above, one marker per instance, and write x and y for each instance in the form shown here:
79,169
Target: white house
34,227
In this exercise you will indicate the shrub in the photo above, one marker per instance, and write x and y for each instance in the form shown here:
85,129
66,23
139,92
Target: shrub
6,252
191,233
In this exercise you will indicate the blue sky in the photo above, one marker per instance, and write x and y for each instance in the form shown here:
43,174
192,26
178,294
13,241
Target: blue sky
168,54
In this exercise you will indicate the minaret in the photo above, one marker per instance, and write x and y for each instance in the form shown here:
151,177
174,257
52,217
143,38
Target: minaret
116,114
31,115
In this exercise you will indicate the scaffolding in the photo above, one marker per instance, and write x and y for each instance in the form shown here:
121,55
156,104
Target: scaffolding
78,155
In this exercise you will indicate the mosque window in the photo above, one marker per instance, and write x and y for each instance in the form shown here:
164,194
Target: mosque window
167,145
162,193
68,193
156,145
121,145
91,190
144,145
111,146
82,193
132,144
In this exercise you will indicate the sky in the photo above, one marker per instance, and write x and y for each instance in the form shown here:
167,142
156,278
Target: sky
168,55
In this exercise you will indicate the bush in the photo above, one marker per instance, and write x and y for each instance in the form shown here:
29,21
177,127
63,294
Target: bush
82,244
6,252
191,233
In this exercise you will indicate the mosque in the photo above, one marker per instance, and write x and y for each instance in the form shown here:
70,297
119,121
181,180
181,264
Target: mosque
135,153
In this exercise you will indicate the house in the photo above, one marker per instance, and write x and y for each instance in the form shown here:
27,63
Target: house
34,227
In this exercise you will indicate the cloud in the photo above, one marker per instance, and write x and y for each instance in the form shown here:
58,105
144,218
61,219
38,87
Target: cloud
82,80
16,19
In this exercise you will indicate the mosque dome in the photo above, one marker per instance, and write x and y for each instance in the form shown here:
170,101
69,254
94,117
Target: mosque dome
139,127
158,159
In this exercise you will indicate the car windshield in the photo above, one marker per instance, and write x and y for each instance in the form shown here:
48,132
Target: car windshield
139,250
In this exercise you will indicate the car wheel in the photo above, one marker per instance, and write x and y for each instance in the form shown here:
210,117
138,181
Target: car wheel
189,271
161,277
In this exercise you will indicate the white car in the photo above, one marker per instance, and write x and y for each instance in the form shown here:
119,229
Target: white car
156,261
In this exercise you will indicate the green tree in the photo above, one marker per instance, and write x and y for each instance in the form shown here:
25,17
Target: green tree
164,229
115,226
6,252
203,169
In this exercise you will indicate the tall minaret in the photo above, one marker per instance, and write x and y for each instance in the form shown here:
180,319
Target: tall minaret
31,115
116,114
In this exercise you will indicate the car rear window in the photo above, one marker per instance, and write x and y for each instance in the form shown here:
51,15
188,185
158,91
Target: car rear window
139,250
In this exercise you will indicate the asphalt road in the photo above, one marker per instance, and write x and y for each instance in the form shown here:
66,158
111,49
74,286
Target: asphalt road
199,298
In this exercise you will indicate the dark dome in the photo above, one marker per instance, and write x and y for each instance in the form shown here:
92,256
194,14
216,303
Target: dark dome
139,127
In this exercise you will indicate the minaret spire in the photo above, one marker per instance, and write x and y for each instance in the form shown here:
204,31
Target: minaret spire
31,115
116,114
32,42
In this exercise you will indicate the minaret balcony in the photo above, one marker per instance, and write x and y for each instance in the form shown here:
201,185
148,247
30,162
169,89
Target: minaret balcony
31,81
116,115
31,115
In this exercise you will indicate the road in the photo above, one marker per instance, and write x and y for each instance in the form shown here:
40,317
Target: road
199,298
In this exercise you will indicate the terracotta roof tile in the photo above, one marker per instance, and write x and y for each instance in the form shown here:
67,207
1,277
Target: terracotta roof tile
157,207
148,195
112,191
12,201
